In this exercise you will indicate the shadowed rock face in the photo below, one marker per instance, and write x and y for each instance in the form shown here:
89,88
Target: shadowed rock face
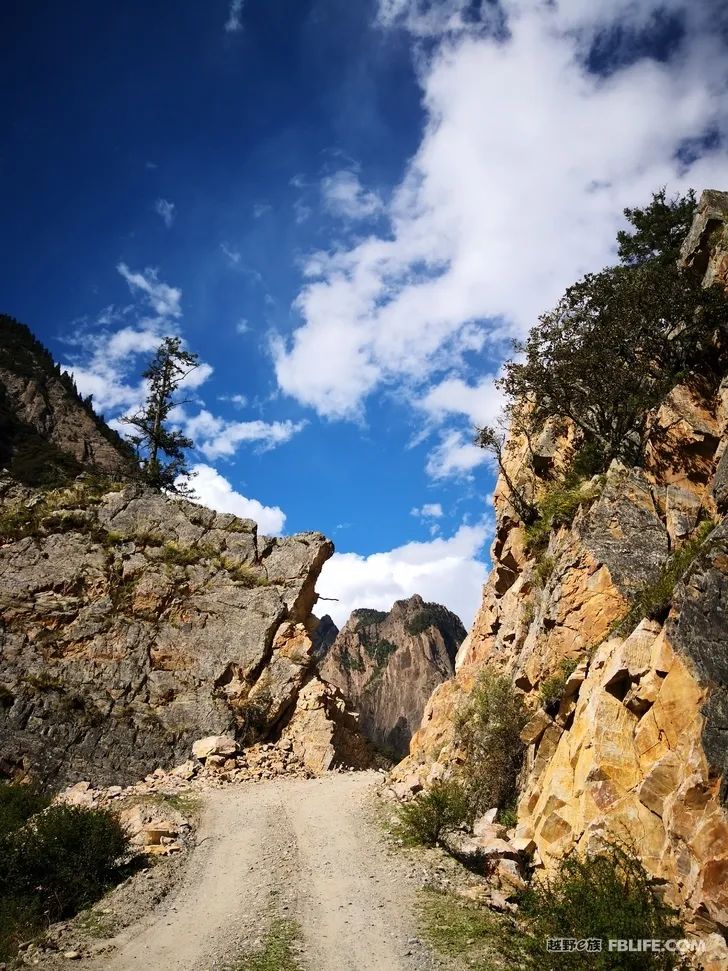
388,664
132,623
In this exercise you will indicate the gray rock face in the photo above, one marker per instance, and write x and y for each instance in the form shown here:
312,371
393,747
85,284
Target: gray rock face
132,624
387,666
624,531
698,628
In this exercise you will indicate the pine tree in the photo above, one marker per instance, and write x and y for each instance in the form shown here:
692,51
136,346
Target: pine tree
154,439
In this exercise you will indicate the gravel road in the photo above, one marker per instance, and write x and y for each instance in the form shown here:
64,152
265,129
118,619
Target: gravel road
304,849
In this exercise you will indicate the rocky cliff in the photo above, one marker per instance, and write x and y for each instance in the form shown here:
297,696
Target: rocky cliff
388,664
48,432
616,632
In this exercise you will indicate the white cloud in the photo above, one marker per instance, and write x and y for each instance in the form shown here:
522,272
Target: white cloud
242,326
213,490
165,210
239,400
454,456
482,402
215,437
234,23
430,510
448,571
231,255
107,366
163,299
344,195
516,189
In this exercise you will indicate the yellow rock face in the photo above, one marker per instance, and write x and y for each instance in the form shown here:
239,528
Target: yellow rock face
624,757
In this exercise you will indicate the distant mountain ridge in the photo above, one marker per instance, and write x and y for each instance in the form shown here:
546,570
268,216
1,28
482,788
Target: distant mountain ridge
49,433
386,664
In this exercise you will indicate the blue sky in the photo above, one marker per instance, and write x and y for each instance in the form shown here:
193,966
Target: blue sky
347,209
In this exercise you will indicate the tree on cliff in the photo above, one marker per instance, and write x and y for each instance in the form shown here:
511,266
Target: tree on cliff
160,448
619,340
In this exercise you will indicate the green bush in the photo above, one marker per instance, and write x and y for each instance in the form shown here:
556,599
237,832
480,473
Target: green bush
552,688
544,568
18,803
605,896
57,863
68,855
487,731
431,813
365,616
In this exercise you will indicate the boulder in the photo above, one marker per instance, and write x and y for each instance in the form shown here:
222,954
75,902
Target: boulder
220,745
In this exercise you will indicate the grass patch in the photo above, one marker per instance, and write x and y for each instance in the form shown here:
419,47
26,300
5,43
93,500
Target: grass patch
277,951
95,924
544,568
458,929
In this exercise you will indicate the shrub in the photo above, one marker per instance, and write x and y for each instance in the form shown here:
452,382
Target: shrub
18,803
544,568
605,896
552,688
380,652
57,863
557,507
66,855
442,807
365,616
487,731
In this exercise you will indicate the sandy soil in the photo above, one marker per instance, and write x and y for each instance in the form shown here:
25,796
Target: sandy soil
305,849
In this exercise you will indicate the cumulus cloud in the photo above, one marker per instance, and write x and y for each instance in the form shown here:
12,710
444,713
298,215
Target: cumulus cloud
430,510
214,490
215,437
234,22
526,162
450,571
344,195
165,210
107,360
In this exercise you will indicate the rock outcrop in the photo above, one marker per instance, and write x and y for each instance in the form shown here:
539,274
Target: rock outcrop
132,624
388,664
634,744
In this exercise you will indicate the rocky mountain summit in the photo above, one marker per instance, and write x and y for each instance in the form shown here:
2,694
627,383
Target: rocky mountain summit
388,664
614,629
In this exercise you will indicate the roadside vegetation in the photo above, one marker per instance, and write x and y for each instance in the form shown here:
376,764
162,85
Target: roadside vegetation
606,896
487,731
54,861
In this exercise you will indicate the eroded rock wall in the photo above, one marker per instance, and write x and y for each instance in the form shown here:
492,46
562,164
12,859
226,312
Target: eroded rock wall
636,746
132,623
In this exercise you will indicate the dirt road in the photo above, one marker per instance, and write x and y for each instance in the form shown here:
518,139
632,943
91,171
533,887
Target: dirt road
304,849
